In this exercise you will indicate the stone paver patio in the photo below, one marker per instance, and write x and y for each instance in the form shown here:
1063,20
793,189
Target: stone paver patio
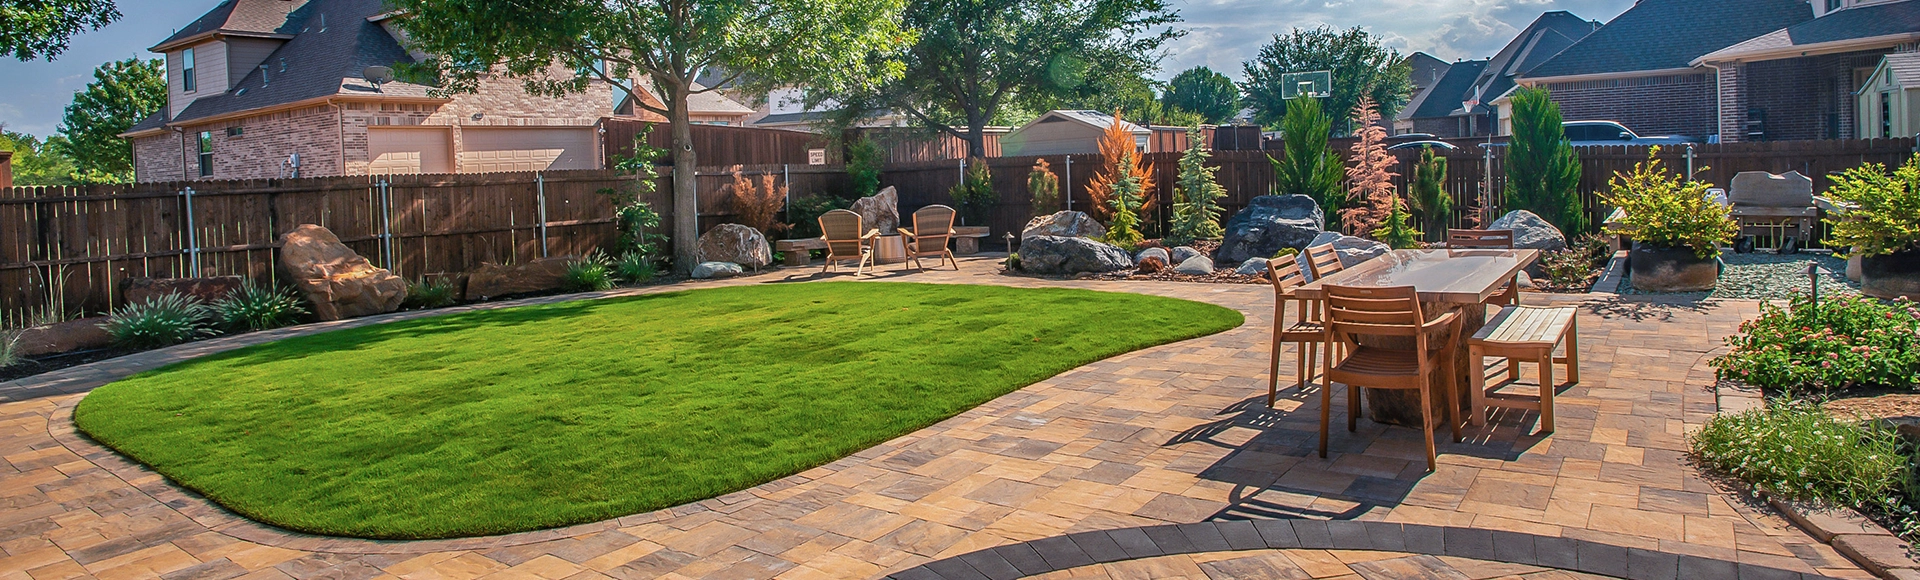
1176,434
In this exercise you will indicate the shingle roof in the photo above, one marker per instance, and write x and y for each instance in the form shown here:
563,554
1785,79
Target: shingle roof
1549,34
1445,96
318,61
1849,24
1905,67
255,16
1426,69
1669,34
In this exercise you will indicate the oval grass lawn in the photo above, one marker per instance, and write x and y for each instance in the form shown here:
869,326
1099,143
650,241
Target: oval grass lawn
534,417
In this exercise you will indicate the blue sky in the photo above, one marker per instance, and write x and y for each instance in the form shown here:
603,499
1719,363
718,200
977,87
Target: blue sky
1223,34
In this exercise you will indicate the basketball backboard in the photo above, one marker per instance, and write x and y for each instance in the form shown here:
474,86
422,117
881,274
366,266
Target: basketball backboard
1317,84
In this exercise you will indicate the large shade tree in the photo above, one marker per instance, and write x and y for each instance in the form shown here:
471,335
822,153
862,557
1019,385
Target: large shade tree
563,46
1361,66
122,93
977,60
1199,90
31,29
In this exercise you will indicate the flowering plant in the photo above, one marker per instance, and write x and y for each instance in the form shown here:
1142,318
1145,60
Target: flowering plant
1841,342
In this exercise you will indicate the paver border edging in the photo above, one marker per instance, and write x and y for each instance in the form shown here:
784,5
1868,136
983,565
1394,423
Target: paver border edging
1022,559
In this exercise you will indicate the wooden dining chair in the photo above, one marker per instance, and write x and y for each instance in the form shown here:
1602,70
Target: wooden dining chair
1306,331
846,239
932,228
1323,260
1508,295
1353,312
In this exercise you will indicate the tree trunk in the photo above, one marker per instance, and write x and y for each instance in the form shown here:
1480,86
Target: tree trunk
686,193
976,141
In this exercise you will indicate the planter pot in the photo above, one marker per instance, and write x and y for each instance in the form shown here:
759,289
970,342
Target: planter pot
1891,276
1663,269
889,249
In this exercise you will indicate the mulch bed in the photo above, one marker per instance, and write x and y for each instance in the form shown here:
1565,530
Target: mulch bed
1877,406
54,362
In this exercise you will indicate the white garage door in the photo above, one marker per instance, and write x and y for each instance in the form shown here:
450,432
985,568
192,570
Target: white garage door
409,150
490,150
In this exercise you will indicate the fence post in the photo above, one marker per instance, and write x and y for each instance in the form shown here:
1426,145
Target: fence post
1689,161
786,177
193,238
386,223
1068,191
540,195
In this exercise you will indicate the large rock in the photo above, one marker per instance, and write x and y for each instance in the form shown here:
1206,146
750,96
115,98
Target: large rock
137,290
339,283
66,336
1160,253
1252,267
1352,250
1759,188
1197,265
1269,223
1181,254
1071,224
717,270
737,244
1531,232
495,280
1070,255
880,211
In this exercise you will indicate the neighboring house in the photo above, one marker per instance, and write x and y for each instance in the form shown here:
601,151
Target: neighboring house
275,88
786,108
1644,69
1888,103
1424,70
1450,110
703,108
1063,132
1800,81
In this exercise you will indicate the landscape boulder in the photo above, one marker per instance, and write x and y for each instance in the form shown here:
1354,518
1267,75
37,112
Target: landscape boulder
1531,232
495,280
1160,253
1151,265
1352,250
138,290
708,270
1197,265
734,243
1762,189
1071,224
66,336
339,282
1181,254
1269,223
1070,255
880,211
1252,267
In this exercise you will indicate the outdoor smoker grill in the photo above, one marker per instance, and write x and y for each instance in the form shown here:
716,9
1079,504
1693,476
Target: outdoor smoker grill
1777,207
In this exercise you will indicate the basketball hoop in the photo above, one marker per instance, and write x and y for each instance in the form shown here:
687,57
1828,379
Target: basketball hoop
1316,84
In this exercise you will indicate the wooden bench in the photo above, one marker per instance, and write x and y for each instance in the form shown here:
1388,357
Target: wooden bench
1524,334
797,251
966,239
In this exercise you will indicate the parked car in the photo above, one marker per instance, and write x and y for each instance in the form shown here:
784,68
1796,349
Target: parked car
1595,133
1436,145
1411,137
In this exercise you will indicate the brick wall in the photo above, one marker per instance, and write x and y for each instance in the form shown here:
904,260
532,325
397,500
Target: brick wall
158,157
1804,98
1662,105
1442,127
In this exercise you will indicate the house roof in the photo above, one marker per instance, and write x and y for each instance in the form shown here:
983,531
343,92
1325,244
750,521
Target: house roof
239,17
1658,35
1896,19
1426,69
1445,96
707,103
1096,119
1904,66
1549,34
319,61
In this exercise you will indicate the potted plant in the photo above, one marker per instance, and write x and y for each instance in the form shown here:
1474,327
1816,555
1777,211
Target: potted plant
1677,231
1882,226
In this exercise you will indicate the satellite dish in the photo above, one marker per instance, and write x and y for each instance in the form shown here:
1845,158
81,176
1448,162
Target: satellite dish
378,75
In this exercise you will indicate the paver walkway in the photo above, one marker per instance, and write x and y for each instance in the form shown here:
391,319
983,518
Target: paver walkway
1169,435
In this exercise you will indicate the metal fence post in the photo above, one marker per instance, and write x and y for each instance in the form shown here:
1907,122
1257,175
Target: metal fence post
540,193
786,177
193,237
1068,191
386,222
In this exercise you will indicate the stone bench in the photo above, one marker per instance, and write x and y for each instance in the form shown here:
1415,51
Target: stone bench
798,252
966,239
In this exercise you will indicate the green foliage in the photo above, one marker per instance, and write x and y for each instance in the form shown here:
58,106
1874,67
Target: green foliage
805,213
974,197
429,293
1575,268
121,94
1013,261
864,159
1361,65
1309,166
590,273
634,269
1199,90
10,348
1369,175
1044,186
1398,234
31,29
1666,210
1543,172
256,307
632,217
604,407
37,163
1196,207
1885,213
1797,451
1426,193
1124,229
162,321
1843,342
1286,253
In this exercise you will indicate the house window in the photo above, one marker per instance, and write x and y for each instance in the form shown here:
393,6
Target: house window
206,154
1886,115
1833,5
186,71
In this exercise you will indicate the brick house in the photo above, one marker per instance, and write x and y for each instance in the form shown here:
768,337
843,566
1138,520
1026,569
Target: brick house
1800,81
1461,102
276,88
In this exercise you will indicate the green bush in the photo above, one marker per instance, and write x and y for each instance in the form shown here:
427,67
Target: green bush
1797,451
1842,342
1013,262
1885,217
804,213
588,274
1668,210
1196,206
429,293
974,197
10,348
1286,253
255,307
166,320
864,158
1576,267
634,269
1543,171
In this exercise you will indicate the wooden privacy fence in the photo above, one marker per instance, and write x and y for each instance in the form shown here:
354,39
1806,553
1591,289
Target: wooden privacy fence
716,145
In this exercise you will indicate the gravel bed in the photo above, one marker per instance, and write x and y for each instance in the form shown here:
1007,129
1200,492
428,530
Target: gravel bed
1765,275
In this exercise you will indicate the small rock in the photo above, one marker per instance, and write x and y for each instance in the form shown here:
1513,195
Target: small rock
1531,232
1352,250
1153,253
1252,267
1196,266
1071,224
708,270
1151,264
1182,254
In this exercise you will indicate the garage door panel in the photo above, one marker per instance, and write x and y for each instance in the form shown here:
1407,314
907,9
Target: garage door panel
492,150
413,150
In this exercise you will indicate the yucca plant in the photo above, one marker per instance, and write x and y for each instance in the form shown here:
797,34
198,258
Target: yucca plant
635,268
590,273
429,293
10,348
255,307
162,321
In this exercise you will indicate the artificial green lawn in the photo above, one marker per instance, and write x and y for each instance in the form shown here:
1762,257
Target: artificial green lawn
541,416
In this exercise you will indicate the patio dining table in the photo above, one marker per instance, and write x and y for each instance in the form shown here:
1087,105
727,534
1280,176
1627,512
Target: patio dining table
1458,281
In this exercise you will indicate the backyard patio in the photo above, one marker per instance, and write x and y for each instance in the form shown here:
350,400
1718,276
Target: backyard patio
1169,454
